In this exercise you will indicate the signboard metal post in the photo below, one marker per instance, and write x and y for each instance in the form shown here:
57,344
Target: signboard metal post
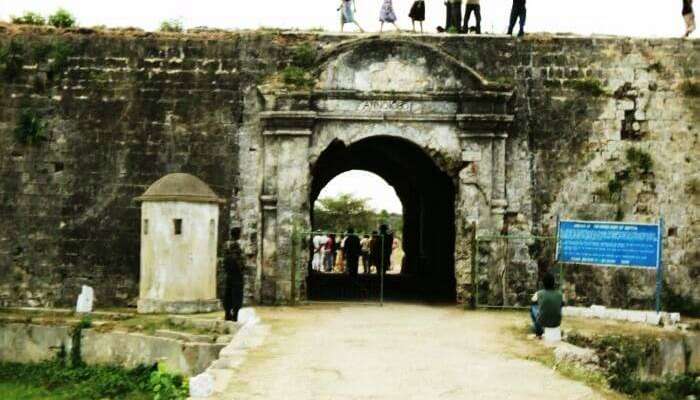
660,268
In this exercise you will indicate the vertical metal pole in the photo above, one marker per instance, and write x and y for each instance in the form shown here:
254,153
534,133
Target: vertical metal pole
660,266
293,268
381,278
556,257
475,269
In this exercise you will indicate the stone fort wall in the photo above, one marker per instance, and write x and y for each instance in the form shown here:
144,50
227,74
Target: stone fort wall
123,108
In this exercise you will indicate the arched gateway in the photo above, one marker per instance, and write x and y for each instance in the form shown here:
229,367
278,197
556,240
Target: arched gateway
409,112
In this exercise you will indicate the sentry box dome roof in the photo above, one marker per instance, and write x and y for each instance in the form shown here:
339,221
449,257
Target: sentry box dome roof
180,187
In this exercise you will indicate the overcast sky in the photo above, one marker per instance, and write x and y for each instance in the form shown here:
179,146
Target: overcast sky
651,18
364,184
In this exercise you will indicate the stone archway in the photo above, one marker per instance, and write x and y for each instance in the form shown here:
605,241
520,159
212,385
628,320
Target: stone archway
374,88
428,197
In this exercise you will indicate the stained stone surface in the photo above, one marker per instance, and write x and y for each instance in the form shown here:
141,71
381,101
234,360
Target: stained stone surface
525,130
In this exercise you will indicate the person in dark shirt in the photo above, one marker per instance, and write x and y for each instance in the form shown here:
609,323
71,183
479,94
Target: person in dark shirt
382,248
352,251
546,306
689,17
517,12
234,270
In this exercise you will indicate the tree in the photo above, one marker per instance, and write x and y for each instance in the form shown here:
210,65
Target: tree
337,214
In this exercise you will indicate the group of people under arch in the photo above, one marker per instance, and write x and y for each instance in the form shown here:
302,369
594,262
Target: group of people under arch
342,253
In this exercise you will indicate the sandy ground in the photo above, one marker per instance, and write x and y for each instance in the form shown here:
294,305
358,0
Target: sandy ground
400,351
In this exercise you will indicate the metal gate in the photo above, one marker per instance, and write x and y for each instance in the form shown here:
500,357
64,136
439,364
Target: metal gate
507,270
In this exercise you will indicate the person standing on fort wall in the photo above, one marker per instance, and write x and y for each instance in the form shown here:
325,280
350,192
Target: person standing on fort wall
519,11
453,22
234,269
475,7
417,13
347,14
387,14
689,17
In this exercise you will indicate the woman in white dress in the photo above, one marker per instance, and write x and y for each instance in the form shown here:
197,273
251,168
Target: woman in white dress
347,14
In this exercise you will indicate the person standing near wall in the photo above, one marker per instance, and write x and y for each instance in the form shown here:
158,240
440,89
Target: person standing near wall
347,9
417,14
475,7
689,17
387,14
365,245
352,251
319,244
234,270
519,11
329,255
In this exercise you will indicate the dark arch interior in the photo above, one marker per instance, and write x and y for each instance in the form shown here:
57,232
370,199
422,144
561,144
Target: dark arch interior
428,197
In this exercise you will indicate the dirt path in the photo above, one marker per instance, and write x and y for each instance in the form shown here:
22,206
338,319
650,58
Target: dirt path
396,352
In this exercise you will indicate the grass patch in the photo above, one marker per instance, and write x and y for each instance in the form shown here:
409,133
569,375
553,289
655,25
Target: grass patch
590,86
56,380
622,358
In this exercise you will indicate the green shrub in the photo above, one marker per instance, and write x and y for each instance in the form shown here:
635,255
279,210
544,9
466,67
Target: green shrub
30,129
166,386
692,187
453,29
297,77
690,88
589,86
62,19
172,25
11,57
639,160
29,18
304,56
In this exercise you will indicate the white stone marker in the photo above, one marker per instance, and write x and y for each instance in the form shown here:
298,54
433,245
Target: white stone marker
85,300
202,385
247,316
552,335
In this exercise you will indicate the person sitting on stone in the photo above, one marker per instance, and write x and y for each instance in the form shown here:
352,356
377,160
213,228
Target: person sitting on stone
546,306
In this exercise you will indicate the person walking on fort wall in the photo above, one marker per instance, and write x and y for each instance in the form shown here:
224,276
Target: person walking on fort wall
689,17
417,13
453,19
347,14
475,7
387,14
234,270
518,12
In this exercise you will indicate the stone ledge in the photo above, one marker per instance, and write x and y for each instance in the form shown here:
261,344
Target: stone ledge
149,306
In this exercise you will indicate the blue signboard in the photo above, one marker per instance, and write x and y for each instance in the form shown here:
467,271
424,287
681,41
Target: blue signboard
609,244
